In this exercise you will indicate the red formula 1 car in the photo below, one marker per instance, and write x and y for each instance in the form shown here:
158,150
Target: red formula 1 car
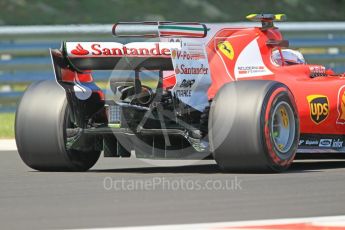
196,92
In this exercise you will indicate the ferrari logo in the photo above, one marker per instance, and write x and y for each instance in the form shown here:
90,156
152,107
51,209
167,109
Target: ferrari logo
319,108
226,48
173,54
341,106
285,117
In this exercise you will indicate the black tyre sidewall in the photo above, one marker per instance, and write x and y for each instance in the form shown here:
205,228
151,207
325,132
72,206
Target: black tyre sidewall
40,131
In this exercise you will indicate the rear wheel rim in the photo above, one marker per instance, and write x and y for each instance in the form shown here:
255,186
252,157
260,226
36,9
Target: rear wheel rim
283,129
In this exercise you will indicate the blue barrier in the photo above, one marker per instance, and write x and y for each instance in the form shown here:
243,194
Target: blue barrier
17,61
11,95
9,46
14,66
31,76
43,45
317,42
27,60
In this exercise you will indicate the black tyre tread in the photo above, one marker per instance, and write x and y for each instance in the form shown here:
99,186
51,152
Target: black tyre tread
204,121
39,131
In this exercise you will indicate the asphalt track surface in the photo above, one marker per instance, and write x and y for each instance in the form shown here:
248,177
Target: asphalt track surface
41,200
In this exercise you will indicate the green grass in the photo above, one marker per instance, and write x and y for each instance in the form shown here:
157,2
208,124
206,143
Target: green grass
6,125
35,12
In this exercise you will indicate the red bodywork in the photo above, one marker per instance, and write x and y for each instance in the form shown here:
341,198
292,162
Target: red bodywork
298,78
319,94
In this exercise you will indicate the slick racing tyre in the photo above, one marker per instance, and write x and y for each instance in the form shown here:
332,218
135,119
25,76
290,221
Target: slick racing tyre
42,119
254,126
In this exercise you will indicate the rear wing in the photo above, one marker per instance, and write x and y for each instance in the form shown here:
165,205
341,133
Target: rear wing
85,56
160,29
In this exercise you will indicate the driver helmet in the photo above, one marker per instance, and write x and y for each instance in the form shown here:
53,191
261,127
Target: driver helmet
291,57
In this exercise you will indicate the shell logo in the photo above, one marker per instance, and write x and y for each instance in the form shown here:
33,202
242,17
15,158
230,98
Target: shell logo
341,106
173,54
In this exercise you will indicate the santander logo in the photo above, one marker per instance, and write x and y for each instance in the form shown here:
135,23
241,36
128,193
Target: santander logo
79,50
135,49
130,51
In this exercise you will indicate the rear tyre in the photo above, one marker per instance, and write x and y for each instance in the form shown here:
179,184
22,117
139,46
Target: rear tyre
42,119
254,126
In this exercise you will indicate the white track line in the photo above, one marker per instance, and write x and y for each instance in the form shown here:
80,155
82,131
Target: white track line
310,223
8,145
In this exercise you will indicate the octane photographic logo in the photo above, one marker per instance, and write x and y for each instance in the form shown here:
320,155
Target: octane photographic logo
189,90
169,184
82,92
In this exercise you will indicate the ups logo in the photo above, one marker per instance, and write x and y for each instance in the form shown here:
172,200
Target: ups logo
319,108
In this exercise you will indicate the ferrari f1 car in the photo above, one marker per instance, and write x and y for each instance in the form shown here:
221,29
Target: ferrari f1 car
190,91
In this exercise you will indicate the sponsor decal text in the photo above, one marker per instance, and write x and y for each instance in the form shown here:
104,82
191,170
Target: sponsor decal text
319,108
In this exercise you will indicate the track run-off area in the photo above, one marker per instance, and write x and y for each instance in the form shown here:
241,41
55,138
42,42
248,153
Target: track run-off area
131,193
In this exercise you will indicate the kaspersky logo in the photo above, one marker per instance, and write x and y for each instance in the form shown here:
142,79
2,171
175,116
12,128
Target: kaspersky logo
226,48
341,106
319,108
79,50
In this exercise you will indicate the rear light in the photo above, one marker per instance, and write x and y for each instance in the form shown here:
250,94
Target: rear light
72,76
101,95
